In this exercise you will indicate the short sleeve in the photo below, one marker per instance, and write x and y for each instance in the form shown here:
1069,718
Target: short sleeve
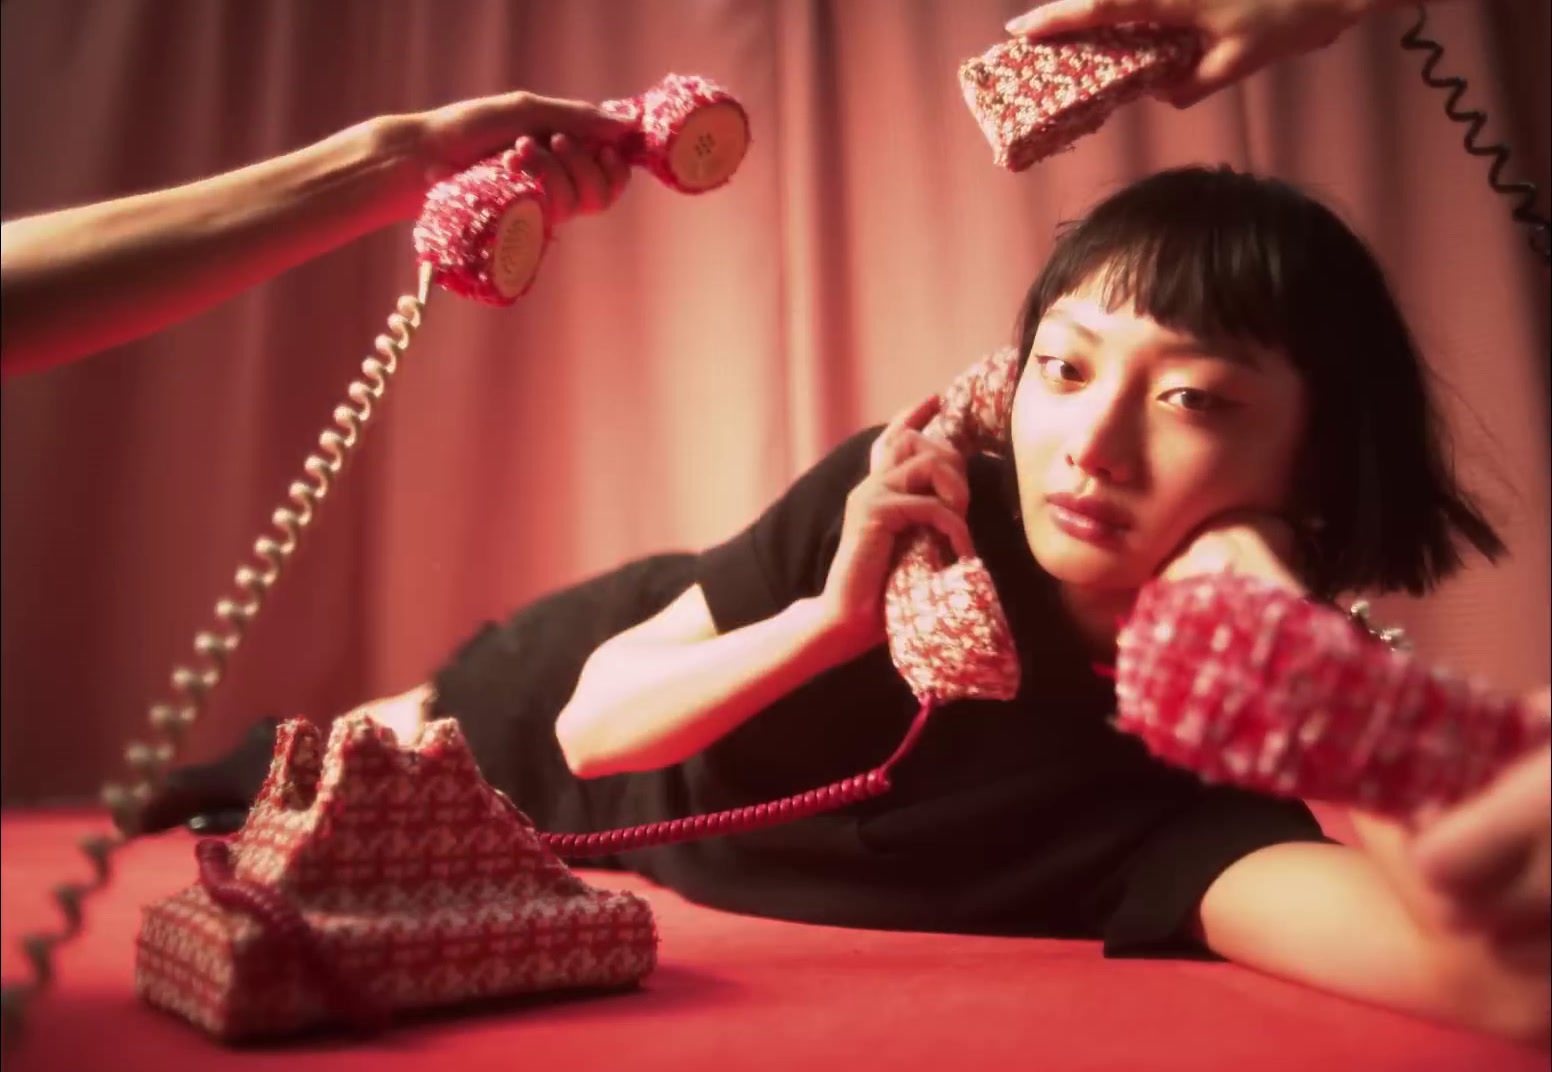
1168,876
785,554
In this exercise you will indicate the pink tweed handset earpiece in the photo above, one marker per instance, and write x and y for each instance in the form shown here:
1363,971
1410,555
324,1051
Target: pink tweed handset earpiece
947,633
1035,98
1245,682
485,230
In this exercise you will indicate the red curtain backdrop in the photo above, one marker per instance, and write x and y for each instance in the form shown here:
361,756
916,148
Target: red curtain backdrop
681,359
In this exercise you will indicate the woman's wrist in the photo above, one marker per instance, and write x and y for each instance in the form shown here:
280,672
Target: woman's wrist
839,637
397,148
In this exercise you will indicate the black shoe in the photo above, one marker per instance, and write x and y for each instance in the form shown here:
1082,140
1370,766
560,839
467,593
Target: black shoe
214,793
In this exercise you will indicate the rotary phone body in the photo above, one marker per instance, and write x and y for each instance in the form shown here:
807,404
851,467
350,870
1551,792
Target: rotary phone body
483,235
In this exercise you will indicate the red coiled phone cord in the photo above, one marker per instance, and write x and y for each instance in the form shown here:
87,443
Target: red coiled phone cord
283,922
739,820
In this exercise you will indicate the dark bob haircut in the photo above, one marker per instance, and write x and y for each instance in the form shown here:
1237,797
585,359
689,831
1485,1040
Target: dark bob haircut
1222,255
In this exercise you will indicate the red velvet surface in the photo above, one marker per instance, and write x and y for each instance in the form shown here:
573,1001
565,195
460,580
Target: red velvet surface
733,992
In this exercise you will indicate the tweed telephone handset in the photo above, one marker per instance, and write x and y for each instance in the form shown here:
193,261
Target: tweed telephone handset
285,926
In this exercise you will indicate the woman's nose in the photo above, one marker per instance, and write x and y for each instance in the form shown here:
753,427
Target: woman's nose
1105,447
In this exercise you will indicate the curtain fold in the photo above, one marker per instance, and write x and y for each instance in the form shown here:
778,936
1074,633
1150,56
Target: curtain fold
681,358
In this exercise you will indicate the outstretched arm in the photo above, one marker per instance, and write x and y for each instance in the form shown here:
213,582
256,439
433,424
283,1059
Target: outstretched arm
83,279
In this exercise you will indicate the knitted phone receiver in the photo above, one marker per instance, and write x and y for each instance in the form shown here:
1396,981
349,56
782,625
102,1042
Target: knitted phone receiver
1245,682
484,231
947,633
1035,98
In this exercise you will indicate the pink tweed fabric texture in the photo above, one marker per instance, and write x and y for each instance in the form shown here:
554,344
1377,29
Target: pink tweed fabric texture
418,885
1245,682
1035,98
947,632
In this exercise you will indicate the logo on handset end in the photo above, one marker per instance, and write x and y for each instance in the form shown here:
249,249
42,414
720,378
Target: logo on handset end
519,242
710,147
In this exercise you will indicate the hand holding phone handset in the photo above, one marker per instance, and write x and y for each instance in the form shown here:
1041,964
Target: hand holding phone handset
947,633
1035,98
484,231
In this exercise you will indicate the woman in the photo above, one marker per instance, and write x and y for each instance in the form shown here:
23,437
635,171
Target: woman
1214,375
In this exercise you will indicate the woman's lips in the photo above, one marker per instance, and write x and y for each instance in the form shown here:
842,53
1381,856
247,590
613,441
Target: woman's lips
1088,520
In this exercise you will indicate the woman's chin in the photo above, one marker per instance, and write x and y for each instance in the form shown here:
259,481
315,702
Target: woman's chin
1076,562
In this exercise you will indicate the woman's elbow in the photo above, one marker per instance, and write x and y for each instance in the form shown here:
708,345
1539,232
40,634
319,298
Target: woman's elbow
583,758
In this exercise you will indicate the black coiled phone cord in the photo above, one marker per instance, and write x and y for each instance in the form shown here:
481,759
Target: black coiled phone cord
1523,193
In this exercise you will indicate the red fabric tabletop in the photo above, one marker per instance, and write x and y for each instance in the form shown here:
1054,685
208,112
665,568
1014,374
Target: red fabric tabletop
731,992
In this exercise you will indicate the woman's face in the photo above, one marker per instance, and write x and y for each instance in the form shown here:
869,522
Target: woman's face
1129,436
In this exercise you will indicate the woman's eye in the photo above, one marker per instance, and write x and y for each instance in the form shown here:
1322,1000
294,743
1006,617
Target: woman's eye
1055,370
1195,400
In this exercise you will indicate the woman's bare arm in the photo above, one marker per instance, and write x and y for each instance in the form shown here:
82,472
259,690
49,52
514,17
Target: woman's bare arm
79,280
663,691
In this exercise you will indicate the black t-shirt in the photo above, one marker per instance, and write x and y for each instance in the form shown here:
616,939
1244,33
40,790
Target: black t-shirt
1031,816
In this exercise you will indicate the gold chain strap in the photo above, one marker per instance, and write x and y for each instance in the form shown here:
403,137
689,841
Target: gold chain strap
1393,637
193,686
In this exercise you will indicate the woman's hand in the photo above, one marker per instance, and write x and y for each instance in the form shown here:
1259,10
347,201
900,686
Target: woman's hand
1243,542
912,481
1490,857
565,142
1241,36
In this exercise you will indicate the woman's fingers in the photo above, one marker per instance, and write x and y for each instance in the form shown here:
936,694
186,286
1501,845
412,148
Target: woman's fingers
1473,843
1490,856
616,170
894,449
888,449
897,511
932,490
587,176
942,474
559,190
578,180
